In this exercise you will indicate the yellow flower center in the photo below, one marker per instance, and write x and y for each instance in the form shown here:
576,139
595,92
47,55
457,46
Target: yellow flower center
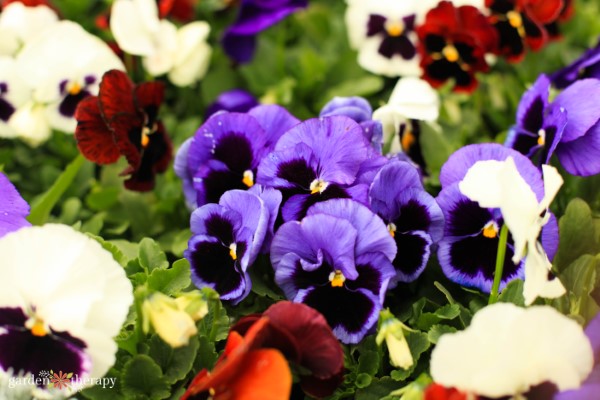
391,229
337,278
408,139
318,186
394,28
73,88
514,19
541,137
146,132
451,53
248,178
37,327
233,251
490,230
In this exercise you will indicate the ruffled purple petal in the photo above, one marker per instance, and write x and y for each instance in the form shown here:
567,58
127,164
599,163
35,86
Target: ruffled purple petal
275,120
369,169
586,66
313,235
463,217
13,209
580,101
417,210
549,237
530,113
291,168
180,165
234,100
373,131
351,314
375,273
239,47
455,169
372,234
393,179
256,15
296,207
272,200
581,156
217,221
554,127
357,108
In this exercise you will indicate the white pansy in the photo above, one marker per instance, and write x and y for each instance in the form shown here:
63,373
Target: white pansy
63,283
498,184
181,53
507,350
14,93
412,98
61,67
20,24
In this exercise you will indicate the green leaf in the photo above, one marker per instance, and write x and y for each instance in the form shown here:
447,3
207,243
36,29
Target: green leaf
143,379
427,320
102,198
513,293
378,389
42,206
577,234
151,256
173,280
215,325
206,355
435,147
364,86
368,362
175,363
418,342
580,280
363,380
438,330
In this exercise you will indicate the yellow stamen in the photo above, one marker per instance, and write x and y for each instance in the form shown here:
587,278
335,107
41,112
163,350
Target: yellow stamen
248,178
490,230
514,19
233,251
337,278
74,88
541,137
394,28
391,229
451,53
146,132
318,186
408,139
38,328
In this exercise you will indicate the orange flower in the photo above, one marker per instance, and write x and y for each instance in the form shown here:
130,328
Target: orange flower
245,371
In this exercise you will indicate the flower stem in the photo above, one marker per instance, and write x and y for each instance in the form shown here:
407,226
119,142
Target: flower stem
499,264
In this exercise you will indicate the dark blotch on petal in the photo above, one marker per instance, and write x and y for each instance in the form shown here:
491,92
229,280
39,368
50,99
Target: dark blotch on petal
220,228
12,317
69,103
467,218
412,251
235,151
369,277
413,217
297,171
218,182
6,110
304,279
213,264
376,24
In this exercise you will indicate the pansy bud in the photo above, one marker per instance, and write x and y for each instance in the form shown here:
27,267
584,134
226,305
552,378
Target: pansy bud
392,331
170,322
193,303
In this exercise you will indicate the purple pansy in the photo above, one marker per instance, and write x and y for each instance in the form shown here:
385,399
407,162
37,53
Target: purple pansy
338,261
586,66
315,161
239,41
360,111
226,150
569,126
467,252
539,125
413,218
590,388
226,239
234,100
13,209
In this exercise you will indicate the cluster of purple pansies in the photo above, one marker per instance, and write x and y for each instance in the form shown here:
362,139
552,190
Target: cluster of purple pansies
568,127
341,222
467,252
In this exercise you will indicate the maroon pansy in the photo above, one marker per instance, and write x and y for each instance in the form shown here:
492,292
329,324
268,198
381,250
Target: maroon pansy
122,121
453,43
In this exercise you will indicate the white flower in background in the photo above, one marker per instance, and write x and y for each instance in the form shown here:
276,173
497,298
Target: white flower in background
62,66
498,184
383,34
20,24
507,350
411,99
181,53
14,93
63,299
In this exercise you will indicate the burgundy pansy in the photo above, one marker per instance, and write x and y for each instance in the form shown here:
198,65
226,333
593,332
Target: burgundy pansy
521,24
122,121
453,43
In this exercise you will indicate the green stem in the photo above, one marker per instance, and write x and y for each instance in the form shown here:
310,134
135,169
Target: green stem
499,264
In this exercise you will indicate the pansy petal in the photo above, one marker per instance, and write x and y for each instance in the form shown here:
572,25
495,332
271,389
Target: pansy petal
582,110
530,114
389,183
272,200
275,120
133,24
413,253
94,138
580,156
116,95
13,209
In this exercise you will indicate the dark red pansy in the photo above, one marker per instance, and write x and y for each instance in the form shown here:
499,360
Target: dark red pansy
181,10
521,24
565,14
123,121
303,336
453,42
29,3
436,391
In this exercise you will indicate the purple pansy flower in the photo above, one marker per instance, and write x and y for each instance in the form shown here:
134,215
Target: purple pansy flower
13,209
315,161
360,111
467,252
413,218
338,261
226,150
226,239
586,66
569,126
234,100
590,388
239,41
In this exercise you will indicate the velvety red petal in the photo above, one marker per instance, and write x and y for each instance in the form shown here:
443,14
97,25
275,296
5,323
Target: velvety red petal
149,96
94,139
443,15
319,388
475,24
542,11
127,130
116,95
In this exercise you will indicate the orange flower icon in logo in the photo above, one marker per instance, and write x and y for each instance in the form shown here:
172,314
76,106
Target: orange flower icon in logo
60,380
